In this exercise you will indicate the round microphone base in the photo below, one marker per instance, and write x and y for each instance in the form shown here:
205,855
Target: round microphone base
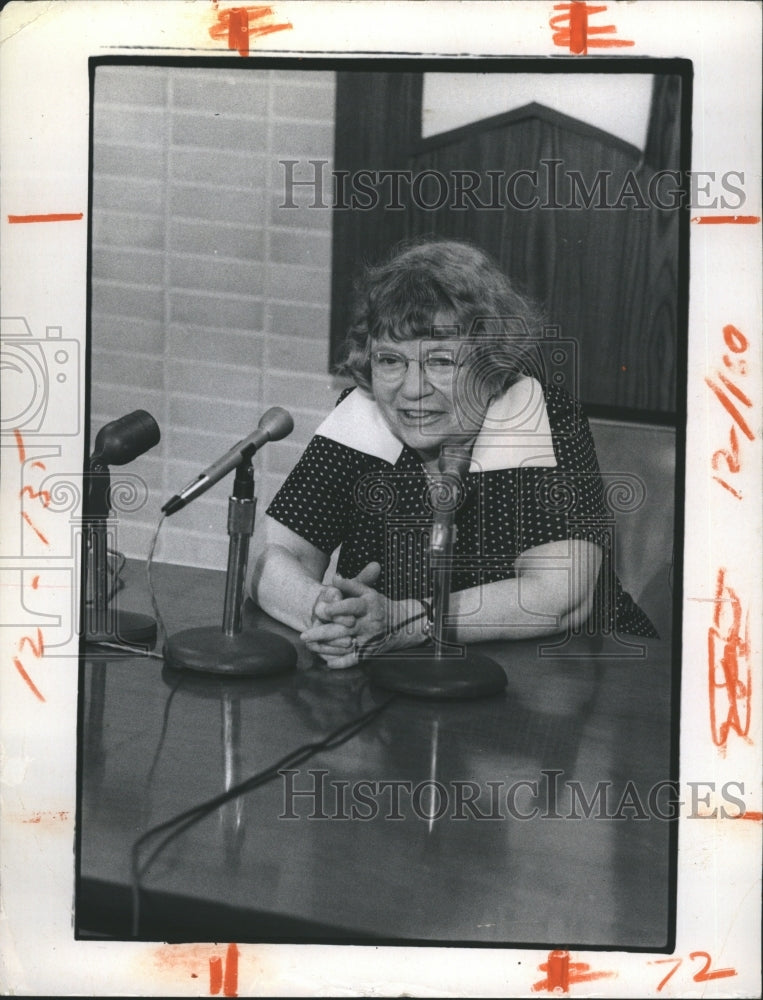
126,628
469,676
247,654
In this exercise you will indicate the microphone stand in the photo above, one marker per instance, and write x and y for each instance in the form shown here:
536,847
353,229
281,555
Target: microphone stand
450,672
104,623
232,650
441,548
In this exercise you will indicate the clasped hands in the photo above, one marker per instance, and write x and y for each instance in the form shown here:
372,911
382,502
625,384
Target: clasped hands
349,615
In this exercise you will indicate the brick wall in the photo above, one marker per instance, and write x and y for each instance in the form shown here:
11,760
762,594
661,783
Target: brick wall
210,303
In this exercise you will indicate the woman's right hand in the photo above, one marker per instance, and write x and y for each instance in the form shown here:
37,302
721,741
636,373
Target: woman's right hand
336,638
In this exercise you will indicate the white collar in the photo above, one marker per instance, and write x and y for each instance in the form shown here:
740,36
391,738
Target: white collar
515,433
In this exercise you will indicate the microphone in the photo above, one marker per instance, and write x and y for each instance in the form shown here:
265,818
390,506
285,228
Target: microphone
453,465
233,650
450,672
275,424
125,439
117,443
454,462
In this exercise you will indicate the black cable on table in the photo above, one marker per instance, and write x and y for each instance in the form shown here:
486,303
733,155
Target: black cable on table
189,817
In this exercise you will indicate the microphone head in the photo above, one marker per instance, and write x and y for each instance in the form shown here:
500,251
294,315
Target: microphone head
276,423
454,461
125,439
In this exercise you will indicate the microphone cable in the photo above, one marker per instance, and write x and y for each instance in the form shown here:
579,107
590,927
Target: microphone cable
178,824
161,628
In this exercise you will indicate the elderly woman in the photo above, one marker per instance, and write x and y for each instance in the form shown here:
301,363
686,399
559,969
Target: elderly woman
437,351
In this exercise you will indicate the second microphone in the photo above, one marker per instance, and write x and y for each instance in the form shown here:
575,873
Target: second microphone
275,424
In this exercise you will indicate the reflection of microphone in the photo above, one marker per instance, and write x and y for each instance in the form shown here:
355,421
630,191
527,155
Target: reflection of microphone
273,425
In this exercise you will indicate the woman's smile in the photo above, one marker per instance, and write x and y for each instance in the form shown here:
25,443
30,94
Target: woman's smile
420,416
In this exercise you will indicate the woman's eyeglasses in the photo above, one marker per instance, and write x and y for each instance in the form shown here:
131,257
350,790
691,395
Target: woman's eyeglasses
438,365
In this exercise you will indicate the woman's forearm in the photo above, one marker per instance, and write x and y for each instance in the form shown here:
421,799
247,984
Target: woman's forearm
553,591
284,587
502,610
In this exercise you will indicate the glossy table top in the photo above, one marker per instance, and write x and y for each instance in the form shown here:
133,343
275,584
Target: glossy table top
523,818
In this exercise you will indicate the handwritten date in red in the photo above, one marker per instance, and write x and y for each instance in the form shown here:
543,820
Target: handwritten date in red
734,401
36,642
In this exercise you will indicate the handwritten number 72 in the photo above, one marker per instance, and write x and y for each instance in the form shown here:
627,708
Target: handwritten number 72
702,975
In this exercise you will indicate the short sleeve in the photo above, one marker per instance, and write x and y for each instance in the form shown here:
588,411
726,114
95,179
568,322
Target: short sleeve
566,500
316,499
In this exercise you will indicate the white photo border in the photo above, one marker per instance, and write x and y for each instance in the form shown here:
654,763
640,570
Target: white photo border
44,159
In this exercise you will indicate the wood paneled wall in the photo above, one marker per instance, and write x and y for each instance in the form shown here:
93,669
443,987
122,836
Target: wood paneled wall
607,274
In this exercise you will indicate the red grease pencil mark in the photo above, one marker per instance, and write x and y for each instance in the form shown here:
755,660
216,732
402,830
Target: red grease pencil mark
725,485
38,647
36,530
42,495
578,38
724,389
724,400
32,686
703,975
755,817
225,978
239,24
35,582
38,817
726,647
19,445
573,31
230,981
560,973
215,975
53,217
726,220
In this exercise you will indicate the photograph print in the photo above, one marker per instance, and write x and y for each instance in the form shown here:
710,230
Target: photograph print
387,409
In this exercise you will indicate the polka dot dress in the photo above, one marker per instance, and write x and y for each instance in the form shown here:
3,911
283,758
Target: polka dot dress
339,496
